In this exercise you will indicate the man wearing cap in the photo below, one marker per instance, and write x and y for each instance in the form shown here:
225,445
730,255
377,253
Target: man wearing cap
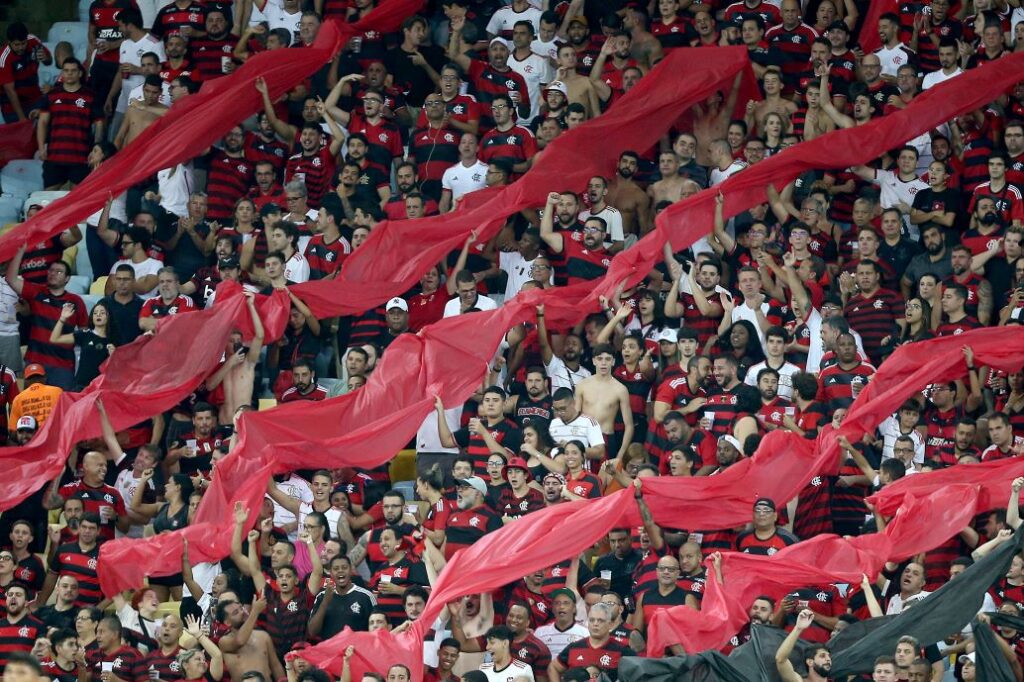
518,499
203,285
665,595
765,537
472,520
563,630
24,429
552,487
396,322
45,303
35,401
492,78
135,245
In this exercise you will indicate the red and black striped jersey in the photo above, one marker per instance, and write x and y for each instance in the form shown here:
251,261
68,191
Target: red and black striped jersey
434,151
94,500
835,384
749,543
825,600
58,674
384,138
705,326
314,170
738,11
163,666
45,308
638,387
654,600
505,432
72,114
38,259
977,146
605,657
585,485
466,526
19,636
127,662
316,394
325,258
30,571
170,19
71,560
538,603
273,151
677,393
814,508
168,72
228,179
518,507
795,46
285,621
673,35
404,573
489,83
210,55
965,324
514,145
874,318
158,308
103,16
22,70
928,48
583,264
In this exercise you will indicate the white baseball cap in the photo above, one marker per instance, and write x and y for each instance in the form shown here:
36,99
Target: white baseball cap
397,302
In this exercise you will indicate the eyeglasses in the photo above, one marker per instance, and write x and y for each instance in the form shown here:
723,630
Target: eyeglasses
592,229
497,107
6,557
540,266
913,306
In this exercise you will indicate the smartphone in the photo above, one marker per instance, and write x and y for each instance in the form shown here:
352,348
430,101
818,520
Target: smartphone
107,666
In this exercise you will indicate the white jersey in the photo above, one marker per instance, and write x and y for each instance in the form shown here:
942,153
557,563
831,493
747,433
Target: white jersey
297,488
563,377
537,72
516,670
892,58
131,52
297,268
582,428
461,179
518,269
558,639
612,218
786,373
276,17
504,19
150,266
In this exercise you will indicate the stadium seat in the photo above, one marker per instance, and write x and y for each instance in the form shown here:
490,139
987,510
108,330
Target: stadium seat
75,32
408,488
78,284
90,300
22,177
10,209
167,608
44,196
83,10
69,256
97,288
403,468
82,264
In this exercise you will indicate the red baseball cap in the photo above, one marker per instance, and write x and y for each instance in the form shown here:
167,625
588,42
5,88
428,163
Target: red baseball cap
515,463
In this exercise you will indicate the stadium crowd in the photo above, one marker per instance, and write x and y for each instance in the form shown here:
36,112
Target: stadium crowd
775,320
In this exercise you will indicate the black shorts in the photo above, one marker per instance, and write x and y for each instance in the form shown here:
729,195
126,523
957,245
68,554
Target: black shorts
56,174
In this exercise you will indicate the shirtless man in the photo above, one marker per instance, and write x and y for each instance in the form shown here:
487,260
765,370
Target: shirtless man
670,187
773,102
644,47
580,90
603,398
817,122
138,118
711,118
246,648
632,202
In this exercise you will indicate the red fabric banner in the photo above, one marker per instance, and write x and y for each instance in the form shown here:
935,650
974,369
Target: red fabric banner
636,122
447,358
17,141
146,377
197,121
869,38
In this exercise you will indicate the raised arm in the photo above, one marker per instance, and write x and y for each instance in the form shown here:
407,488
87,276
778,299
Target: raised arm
1013,505
546,353
283,129
193,627
782,664
455,42
233,641
547,224
443,431
14,269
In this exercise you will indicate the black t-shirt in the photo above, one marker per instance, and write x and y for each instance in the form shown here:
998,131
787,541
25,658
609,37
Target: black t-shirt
413,80
345,610
125,318
94,353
